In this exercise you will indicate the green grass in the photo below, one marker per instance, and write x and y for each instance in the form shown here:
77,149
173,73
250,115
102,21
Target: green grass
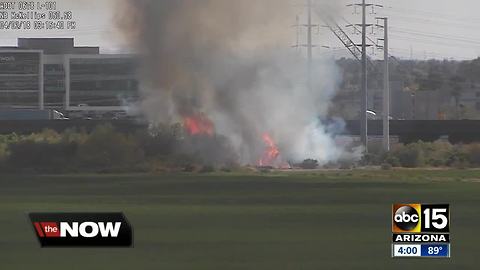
310,220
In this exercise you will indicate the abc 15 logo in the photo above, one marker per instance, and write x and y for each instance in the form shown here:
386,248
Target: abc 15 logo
421,218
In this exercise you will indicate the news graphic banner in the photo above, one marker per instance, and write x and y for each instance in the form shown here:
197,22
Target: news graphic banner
82,229
35,15
421,231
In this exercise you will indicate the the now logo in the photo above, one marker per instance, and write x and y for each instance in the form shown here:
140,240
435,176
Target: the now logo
74,229
82,229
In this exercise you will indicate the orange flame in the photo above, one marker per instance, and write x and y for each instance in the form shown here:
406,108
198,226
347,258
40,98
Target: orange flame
271,153
198,125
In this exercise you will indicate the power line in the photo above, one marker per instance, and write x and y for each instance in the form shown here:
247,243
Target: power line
436,15
433,35
429,41
406,53
422,20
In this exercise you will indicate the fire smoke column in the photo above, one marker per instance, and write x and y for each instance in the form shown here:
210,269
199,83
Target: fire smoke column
224,68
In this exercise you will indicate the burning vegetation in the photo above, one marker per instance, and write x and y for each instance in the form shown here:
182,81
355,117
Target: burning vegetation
198,125
271,155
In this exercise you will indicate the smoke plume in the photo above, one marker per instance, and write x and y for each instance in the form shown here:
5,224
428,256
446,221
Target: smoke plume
230,61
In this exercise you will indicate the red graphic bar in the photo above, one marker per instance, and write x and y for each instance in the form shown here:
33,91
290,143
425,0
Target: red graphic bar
39,229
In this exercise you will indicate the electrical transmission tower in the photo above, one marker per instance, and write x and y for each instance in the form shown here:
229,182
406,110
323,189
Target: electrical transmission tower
297,26
364,83
309,45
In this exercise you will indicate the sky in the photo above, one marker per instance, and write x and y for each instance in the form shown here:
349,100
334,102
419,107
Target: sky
419,29
424,29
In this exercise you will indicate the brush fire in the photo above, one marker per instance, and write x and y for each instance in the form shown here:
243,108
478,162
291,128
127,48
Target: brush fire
198,125
271,156
231,61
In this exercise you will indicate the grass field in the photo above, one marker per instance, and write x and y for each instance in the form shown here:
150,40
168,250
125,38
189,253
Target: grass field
317,220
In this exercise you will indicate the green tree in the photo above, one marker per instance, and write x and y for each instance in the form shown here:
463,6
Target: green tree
456,84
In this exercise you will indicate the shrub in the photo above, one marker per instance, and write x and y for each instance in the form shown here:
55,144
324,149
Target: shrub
265,170
158,141
207,169
436,162
226,169
370,159
74,136
180,161
376,147
309,164
189,168
393,160
420,154
346,165
410,156
3,152
10,138
473,154
106,148
386,166
163,149
457,157
41,156
436,154
230,167
47,135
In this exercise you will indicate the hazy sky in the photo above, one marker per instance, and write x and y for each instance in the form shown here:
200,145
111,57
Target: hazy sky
429,28
419,28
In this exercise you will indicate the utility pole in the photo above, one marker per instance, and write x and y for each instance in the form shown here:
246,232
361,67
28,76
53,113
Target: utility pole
364,92
386,87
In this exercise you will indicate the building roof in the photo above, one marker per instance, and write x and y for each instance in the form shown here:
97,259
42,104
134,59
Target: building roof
53,46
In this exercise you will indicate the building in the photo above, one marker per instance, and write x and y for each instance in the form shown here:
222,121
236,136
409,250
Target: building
100,82
54,73
21,78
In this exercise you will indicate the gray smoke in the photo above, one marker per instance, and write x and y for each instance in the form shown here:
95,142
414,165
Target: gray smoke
230,60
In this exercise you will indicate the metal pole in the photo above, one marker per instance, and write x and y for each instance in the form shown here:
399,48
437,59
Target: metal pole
386,93
41,84
309,45
66,66
297,45
364,92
